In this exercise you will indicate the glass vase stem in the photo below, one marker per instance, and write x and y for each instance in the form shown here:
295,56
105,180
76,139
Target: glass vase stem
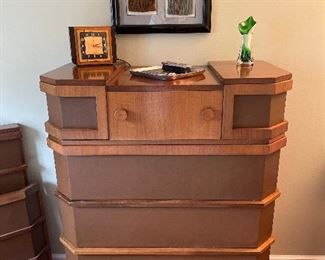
245,55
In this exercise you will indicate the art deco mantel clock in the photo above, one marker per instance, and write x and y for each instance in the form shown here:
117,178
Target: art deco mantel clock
92,45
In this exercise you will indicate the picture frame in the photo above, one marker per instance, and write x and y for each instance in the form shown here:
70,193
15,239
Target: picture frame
161,16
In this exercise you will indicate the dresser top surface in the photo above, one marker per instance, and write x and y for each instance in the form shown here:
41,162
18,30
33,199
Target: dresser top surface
260,73
71,74
118,77
126,82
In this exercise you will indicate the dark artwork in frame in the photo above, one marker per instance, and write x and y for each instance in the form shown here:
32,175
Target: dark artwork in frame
161,16
144,6
180,8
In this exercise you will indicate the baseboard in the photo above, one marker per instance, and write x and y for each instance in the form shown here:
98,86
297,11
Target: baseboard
297,257
273,257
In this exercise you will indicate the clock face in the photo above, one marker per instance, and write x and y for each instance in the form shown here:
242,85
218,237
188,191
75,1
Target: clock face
93,45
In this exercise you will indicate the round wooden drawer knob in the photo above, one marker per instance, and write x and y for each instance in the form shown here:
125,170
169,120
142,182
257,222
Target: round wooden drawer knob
208,114
120,114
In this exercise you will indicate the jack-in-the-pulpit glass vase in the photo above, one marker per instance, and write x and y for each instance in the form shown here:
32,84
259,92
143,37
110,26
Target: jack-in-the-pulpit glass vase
246,29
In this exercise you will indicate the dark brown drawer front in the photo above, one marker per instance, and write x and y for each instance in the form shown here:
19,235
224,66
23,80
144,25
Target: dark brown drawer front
76,112
25,244
72,112
167,177
11,153
258,111
147,224
19,209
12,179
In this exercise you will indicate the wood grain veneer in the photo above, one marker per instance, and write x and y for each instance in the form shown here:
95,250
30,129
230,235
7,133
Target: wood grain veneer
72,75
169,253
206,149
165,115
261,73
125,82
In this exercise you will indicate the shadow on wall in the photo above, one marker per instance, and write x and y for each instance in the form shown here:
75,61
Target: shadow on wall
39,166
51,208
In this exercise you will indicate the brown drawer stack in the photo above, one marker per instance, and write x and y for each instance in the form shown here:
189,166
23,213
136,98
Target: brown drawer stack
12,166
167,170
23,232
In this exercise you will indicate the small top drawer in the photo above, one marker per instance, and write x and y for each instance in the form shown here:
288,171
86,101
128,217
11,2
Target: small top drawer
165,115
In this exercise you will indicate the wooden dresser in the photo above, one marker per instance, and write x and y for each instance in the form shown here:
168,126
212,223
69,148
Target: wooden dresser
23,231
167,170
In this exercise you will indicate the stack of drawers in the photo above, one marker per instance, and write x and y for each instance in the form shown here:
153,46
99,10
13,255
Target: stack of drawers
167,170
23,232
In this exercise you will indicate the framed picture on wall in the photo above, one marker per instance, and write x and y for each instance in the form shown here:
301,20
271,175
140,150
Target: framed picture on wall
162,16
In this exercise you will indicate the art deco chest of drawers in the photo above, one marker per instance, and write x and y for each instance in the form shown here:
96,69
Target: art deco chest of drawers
185,169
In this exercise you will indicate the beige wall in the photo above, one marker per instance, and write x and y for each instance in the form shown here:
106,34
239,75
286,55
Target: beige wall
289,33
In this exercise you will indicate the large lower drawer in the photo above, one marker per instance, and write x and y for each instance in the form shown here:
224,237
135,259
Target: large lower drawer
11,153
19,209
169,223
13,179
244,177
27,243
74,253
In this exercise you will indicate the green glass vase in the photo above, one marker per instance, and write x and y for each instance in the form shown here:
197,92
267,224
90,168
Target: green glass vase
246,29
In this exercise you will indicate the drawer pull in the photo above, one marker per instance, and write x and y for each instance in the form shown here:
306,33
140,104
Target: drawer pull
120,114
208,114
